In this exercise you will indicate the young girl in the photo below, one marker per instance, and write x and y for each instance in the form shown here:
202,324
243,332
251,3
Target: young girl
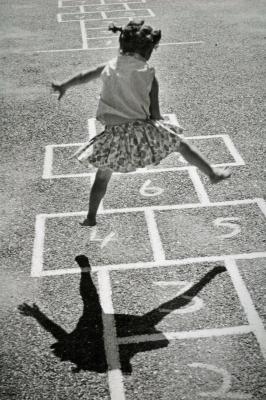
134,136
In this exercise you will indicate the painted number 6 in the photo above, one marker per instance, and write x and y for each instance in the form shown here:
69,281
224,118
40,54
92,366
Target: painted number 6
149,191
227,222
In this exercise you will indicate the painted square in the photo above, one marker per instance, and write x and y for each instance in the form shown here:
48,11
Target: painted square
150,189
178,298
214,230
216,367
117,239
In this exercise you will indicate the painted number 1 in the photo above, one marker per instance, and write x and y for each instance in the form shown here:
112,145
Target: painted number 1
228,223
148,190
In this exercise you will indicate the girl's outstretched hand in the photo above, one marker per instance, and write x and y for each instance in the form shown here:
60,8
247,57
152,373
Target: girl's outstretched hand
59,88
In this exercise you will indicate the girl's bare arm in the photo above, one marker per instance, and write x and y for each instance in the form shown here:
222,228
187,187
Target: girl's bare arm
154,101
82,77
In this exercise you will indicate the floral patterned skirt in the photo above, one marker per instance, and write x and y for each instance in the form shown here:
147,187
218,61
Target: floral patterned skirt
126,147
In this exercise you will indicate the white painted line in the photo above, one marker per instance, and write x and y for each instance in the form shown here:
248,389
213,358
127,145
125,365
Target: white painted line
139,171
115,377
198,185
153,264
102,2
101,37
247,304
150,12
158,208
60,4
156,244
92,127
103,14
199,333
83,35
82,9
262,205
108,48
59,18
48,162
38,246
126,7
232,149
181,43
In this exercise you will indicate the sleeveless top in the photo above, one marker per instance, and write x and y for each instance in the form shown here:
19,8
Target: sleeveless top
127,82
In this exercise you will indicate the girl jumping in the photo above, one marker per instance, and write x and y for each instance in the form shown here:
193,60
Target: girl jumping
135,134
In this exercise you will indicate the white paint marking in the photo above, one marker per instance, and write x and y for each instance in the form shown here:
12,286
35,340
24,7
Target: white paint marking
126,7
232,150
48,163
83,35
159,208
156,244
262,205
149,191
38,246
247,304
198,185
107,48
112,236
103,14
102,2
154,264
195,334
234,227
115,378
195,305
82,9
60,4
150,12
224,389
92,127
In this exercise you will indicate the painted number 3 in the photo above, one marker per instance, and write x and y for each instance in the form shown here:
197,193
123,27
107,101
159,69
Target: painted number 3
228,223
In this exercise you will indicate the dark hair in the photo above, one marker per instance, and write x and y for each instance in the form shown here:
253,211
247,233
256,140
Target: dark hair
135,37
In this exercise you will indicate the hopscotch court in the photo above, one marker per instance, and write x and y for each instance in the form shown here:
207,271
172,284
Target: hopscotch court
163,227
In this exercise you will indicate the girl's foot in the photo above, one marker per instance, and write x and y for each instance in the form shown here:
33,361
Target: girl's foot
218,174
88,222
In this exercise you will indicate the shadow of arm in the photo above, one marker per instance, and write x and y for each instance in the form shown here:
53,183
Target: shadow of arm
50,326
156,315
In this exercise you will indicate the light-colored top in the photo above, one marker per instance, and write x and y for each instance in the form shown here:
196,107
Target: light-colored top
127,82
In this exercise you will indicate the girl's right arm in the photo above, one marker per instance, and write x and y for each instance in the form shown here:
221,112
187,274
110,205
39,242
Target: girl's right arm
82,77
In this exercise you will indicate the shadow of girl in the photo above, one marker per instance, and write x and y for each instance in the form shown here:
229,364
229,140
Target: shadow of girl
84,347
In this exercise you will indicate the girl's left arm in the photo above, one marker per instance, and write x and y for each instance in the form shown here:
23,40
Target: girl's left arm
82,77
154,100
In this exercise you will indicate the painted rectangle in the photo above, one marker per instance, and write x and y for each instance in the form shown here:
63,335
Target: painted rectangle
253,273
218,367
118,238
225,229
114,6
145,190
175,299
77,16
136,13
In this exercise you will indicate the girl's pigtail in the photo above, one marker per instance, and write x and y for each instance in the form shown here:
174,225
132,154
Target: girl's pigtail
112,27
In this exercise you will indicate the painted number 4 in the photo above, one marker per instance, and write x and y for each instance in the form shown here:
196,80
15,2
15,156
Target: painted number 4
104,241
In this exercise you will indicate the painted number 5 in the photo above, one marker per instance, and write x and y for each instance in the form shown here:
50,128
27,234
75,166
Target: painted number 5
228,223
149,191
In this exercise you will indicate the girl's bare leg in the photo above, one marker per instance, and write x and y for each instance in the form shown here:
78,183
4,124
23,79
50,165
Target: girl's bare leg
98,191
193,156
